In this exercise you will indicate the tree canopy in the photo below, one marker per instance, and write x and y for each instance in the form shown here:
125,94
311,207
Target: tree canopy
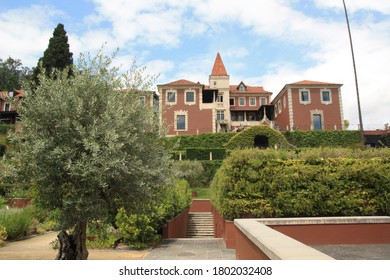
12,74
89,145
57,55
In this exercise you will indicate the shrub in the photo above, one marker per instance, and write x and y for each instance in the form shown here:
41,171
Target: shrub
136,229
246,139
3,234
192,171
204,153
323,138
4,128
286,184
101,235
210,168
16,221
141,229
204,140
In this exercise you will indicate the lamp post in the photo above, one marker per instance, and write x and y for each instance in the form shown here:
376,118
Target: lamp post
362,140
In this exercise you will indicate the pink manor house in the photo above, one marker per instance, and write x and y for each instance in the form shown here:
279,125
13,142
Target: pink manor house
193,108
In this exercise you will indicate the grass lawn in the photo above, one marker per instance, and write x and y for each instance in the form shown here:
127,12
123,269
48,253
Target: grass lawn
202,193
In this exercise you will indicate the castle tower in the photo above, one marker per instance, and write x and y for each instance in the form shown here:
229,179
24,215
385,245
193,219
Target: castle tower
220,80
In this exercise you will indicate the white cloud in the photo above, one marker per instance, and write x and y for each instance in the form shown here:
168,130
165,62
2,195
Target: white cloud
382,6
25,32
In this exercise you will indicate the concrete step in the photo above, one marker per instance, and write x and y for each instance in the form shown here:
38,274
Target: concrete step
200,225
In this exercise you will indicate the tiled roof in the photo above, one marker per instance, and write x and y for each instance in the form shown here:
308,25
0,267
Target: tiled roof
5,94
307,82
249,89
218,68
182,83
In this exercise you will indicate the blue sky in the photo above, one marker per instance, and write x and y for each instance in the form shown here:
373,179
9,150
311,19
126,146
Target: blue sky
262,42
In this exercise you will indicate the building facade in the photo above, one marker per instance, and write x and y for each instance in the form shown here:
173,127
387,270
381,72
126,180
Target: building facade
8,109
309,105
192,108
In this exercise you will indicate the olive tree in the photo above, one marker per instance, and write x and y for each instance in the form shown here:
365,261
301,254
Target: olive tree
88,146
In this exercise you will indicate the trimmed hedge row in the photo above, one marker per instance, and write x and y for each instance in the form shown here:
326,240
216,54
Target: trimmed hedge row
323,138
204,154
272,184
204,140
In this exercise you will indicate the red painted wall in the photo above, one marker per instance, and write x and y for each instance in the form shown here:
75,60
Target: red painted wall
301,112
246,249
177,227
199,121
200,205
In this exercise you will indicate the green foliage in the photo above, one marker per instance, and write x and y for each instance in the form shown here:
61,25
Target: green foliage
4,128
204,140
16,221
202,193
57,56
3,234
323,138
210,168
3,202
191,171
136,229
318,182
12,74
141,228
99,150
197,173
246,138
204,153
101,235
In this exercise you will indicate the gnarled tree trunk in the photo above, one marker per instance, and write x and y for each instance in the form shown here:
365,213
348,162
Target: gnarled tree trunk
73,247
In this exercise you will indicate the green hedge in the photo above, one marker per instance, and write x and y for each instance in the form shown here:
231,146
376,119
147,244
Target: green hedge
245,139
323,138
5,127
204,154
312,183
204,140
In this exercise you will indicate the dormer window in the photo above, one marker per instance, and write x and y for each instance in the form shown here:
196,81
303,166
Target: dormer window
241,87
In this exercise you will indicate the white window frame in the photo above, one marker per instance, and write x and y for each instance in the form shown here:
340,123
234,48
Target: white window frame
301,91
263,100
167,97
322,96
220,98
252,99
239,101
181,113
220,113
317,112
234,101
279,106
185,97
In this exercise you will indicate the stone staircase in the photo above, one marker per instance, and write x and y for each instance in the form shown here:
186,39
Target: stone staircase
200,225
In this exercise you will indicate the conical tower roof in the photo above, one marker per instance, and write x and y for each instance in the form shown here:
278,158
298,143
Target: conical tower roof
218,68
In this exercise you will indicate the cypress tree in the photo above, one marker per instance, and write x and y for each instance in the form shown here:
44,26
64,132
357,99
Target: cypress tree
57,55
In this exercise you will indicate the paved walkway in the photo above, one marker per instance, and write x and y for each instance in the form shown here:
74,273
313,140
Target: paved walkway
356,251
38,248
191,249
